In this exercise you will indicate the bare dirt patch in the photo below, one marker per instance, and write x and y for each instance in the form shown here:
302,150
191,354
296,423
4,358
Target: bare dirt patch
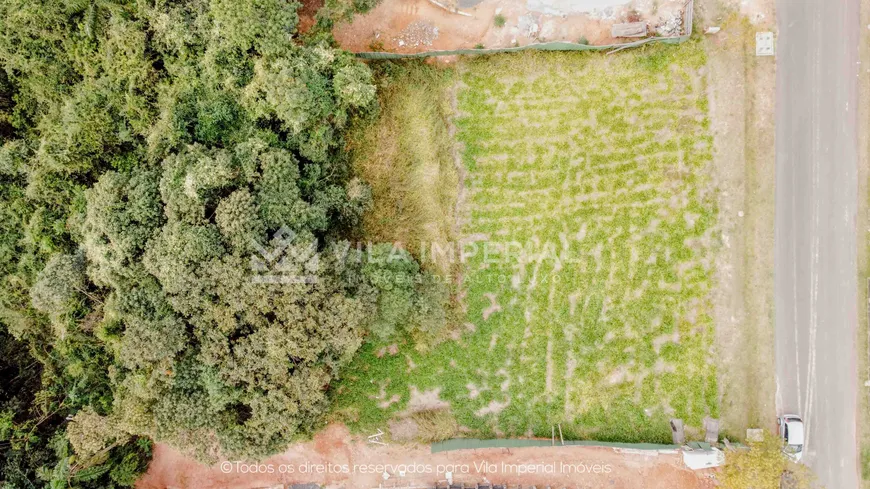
418,34
307,15
335,445
660,341
403,430
494,407
407,26
391,349
389,402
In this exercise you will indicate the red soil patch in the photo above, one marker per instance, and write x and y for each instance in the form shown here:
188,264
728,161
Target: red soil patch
307,13
394,25
335,445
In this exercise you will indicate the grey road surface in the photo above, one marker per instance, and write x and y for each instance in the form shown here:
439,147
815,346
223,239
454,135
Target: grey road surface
815,251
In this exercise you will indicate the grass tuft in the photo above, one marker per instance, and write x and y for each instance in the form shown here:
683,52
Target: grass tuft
435,425
407,158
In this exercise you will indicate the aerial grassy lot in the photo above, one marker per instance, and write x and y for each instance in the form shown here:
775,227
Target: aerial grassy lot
587,183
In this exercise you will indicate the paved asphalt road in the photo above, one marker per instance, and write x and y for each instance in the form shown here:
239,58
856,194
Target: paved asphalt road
816,207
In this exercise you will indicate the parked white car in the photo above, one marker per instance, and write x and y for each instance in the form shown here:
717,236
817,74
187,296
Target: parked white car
791,429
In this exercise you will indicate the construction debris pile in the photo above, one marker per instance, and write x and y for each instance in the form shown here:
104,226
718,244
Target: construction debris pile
417,33
529,25
672,26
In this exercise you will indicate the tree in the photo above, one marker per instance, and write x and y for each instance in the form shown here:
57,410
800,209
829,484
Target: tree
92,435
334,11
60,285
237,219
208,355
763,466
34,446
409,300
311,95
123,213
151,154
261,25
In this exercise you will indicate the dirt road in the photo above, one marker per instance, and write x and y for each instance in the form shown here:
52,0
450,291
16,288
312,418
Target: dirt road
816,293
336,459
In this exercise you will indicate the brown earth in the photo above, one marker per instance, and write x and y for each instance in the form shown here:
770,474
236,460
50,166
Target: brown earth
307,15
408,26
602,467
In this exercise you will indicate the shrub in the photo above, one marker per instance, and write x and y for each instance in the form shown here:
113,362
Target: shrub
435,425
763,466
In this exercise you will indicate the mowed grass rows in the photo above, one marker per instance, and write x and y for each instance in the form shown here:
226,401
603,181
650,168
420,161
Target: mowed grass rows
595,169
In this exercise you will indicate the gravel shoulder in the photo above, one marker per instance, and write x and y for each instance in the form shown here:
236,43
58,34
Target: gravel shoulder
863,340
742,106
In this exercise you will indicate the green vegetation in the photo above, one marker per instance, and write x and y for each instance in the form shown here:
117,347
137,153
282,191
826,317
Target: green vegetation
333,11
763,466
178,214
499,20
435,425
35,450
407,158
599,317
176,211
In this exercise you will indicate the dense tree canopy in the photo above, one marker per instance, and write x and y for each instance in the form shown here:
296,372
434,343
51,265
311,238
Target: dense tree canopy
207,350
175,208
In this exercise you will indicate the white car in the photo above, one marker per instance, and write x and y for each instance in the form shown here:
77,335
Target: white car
791,429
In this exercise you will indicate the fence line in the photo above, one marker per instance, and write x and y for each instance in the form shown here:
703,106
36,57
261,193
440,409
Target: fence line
473,443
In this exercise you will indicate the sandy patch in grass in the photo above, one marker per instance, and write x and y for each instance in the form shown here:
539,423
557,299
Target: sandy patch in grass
389,402
660,341
494,306
494,407
618,376
425,401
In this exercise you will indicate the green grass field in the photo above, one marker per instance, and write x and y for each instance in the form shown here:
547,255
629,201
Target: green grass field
598,167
